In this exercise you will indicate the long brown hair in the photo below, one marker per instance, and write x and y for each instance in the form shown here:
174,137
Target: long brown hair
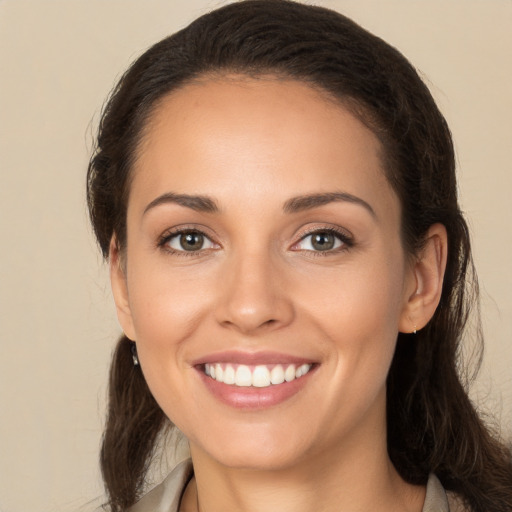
432,425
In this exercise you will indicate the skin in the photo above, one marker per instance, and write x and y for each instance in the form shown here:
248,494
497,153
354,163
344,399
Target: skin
251,145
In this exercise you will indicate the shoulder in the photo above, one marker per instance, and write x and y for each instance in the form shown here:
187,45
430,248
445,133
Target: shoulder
455,503
435,497
438,500
165,497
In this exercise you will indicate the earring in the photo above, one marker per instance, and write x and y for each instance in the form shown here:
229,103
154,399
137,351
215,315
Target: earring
414,332
135,357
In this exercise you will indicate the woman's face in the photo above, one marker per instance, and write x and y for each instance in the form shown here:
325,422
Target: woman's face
263,241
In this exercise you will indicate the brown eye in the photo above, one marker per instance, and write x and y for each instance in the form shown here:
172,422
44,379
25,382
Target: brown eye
189,241
323,241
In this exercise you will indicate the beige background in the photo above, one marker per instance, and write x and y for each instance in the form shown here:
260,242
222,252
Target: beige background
58,60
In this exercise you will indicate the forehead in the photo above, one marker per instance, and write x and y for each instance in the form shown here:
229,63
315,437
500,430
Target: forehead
254,137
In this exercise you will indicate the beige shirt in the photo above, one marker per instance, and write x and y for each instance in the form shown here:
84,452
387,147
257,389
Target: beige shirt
166,496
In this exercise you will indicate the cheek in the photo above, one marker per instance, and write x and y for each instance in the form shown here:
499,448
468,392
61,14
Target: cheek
168,310
356,299
358,312
167,305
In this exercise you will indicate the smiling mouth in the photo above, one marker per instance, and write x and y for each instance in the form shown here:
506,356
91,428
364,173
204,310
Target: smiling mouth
258,376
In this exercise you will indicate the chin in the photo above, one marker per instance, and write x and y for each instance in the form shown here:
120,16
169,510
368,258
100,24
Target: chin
249,449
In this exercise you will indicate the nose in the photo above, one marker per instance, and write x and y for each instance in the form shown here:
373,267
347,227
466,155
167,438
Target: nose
253,297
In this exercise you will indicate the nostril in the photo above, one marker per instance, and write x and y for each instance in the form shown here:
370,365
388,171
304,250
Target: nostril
251,307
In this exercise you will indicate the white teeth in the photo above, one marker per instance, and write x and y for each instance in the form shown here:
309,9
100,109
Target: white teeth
229,375
218,372
243,376
302,370
289,373
259,376
277,375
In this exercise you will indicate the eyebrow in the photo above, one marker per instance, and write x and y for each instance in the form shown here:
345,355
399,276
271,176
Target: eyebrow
310,201
294,205
197,203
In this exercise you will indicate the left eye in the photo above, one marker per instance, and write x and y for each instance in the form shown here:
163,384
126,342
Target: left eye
320,241
190,241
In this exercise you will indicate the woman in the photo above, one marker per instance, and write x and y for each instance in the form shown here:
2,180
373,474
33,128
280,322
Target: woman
274,188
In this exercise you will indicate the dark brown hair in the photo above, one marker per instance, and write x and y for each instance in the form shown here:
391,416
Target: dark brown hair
432,425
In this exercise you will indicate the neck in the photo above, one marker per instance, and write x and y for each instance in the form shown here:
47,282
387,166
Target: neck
358,476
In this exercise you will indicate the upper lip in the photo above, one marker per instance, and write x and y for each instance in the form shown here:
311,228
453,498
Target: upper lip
250,358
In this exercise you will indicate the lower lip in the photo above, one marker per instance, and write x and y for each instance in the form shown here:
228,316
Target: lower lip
251,397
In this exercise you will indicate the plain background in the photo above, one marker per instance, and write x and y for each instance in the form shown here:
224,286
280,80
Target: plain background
58,61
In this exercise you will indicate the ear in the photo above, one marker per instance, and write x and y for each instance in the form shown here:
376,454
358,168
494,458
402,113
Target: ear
426,285
120,289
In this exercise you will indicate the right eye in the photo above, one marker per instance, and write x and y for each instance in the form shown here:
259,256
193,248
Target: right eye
188,241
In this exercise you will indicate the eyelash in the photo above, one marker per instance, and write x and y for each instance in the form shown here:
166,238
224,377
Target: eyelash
346,240
169,235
